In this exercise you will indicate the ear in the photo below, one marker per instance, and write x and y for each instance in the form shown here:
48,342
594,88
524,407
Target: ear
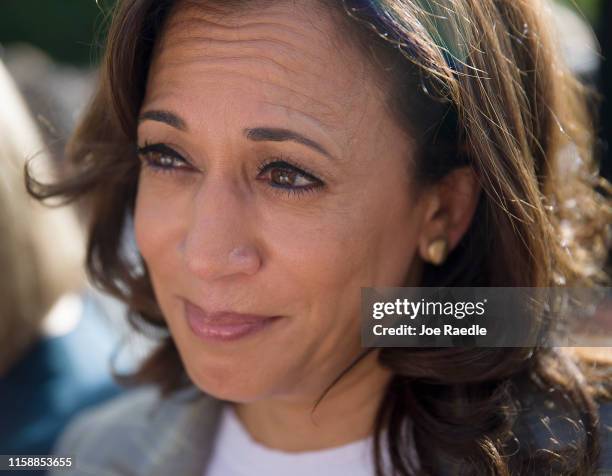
450,209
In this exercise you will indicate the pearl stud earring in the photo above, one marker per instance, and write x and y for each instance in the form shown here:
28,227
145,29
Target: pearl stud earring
436,251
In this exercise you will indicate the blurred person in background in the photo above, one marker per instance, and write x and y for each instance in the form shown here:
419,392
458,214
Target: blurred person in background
54,342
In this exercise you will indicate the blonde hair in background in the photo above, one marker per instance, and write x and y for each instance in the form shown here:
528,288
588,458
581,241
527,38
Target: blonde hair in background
41,248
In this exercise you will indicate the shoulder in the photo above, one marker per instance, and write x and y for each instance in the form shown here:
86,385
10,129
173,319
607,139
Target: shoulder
128,411
133,431
107,431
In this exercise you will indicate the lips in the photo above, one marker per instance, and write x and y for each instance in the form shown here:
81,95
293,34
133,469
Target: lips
224,325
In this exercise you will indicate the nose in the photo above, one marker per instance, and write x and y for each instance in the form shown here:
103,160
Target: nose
218,242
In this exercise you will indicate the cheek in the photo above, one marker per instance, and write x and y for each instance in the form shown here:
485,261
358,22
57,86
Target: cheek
157,224
357,239
365,239
147,232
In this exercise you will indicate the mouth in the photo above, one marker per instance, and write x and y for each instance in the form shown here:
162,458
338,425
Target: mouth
221,326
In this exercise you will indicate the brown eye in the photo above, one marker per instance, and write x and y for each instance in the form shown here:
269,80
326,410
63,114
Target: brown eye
281,174
284,177
162,157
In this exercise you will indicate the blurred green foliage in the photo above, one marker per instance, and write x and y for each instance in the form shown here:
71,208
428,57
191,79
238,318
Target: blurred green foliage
65,29
589,8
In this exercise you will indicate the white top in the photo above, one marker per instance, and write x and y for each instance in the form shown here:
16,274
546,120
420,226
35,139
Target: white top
235,453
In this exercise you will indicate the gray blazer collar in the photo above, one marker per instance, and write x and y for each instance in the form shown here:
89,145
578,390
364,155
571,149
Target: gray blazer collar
181,434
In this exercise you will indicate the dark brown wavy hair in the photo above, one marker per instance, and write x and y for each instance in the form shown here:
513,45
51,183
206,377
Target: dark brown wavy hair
480,84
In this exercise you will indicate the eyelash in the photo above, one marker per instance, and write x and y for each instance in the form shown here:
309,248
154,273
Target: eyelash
279,162
164,151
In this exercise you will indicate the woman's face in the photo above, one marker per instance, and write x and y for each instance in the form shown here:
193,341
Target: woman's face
274,182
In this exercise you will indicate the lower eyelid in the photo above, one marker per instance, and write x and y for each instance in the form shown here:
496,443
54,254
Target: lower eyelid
313,182
296,192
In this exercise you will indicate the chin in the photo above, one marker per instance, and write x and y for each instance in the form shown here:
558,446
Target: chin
240,385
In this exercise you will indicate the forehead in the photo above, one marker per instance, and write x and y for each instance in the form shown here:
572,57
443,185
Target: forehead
283,55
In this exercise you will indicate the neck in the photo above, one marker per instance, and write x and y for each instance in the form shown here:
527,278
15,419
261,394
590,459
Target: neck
346,413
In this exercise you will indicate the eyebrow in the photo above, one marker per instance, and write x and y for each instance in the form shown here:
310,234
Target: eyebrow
163,116
257,134
264,134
